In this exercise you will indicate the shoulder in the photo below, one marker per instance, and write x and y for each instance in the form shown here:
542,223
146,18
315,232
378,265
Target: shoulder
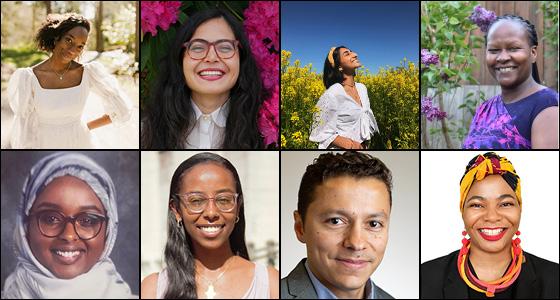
273,279
439,267
149,286
381,294
542,266
334,90
361,86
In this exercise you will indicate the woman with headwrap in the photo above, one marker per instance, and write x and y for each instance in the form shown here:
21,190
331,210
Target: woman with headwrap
66,227
491,262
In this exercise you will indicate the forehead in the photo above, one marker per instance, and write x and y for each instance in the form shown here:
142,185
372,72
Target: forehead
214,29
507,30
210,175
78,33
68,194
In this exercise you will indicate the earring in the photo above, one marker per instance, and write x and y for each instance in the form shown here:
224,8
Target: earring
515,243
465,242
340,69
237,220
180,223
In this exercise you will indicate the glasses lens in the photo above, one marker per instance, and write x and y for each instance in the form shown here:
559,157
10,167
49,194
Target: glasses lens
51,223
88,225
198,49
225,49
198,202
225,202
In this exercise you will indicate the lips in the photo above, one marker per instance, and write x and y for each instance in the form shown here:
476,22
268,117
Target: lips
66,255
353,264
505,69
211,230
492,234
211,74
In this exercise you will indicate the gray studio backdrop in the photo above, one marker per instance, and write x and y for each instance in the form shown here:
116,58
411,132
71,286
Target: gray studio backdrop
401,261
122,166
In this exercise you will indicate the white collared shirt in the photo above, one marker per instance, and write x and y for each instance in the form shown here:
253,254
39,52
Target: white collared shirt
340,115
209,129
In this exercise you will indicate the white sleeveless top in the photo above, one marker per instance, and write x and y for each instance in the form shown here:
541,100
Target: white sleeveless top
259,288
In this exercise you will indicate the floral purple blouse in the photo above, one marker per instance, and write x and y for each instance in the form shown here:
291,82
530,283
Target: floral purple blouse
497,125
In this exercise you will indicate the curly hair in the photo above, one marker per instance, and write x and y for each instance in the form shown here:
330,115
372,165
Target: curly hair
55,27
350,163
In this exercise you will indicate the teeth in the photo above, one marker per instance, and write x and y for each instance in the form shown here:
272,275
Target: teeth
68,253
211,229
210,73
505,69
491,231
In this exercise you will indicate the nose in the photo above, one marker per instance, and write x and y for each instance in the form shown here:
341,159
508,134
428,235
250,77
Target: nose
69,233
212,54
492,215
503,56
354,239
211,211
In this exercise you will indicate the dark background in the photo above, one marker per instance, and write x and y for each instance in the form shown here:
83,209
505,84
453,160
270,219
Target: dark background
122,166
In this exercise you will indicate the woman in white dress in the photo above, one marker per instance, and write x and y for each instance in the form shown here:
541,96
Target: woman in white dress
344,119
48,99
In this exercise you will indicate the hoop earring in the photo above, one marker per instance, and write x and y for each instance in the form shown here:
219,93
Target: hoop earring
180,224
237,220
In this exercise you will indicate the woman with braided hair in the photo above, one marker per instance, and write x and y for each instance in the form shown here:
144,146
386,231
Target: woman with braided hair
525,114
491,262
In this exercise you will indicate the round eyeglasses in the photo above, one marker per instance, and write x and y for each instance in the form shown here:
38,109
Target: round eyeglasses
198,202
198,48
52,223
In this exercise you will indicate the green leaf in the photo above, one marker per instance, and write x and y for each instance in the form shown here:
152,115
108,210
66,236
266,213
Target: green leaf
453,21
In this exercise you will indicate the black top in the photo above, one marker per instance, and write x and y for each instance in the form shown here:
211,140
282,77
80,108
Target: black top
439,279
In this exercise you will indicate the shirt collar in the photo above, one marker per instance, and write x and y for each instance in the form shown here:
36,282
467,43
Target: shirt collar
324,293
219,116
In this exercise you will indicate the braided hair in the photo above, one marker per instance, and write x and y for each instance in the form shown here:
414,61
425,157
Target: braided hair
531,31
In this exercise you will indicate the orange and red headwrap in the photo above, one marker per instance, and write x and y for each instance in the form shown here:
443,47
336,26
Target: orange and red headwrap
489,164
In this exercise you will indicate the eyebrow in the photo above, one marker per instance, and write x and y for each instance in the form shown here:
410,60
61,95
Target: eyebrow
56,206
501,197
216,192
346,214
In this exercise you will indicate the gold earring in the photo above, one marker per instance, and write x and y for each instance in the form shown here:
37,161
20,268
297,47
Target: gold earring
340,69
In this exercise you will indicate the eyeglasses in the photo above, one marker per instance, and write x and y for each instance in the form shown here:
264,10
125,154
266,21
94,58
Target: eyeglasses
52,223
198,48
198,202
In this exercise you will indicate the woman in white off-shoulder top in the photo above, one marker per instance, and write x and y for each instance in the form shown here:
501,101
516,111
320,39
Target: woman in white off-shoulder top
48,99
344,119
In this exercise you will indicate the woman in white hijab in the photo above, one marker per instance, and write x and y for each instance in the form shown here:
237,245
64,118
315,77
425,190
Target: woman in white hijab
66,227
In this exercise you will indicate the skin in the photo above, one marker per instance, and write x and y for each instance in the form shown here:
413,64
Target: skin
349,63
491,203
348,219
70,196
509,45
66,50
212,254
211,95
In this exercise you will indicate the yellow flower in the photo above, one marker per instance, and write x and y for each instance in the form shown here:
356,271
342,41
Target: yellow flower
282,141
294,117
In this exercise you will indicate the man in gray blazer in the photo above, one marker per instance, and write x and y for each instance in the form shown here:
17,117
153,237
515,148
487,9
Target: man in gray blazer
344,205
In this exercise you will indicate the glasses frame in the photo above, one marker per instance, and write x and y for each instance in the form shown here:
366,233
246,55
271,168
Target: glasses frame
235,43
67,219
180,198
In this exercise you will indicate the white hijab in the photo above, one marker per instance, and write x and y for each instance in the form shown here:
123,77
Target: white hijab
31,279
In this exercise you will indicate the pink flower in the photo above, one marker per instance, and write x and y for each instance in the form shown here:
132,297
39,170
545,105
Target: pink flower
158,13
269,119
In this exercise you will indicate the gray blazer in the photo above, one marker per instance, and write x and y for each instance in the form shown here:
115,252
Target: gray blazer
297,285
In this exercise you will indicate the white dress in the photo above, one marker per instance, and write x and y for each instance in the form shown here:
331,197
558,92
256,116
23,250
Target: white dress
340,115
52,118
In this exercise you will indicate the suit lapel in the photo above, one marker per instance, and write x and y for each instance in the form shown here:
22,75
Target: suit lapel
299,284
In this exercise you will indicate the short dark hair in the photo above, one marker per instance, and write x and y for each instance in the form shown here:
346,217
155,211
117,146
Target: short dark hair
55,27
350,163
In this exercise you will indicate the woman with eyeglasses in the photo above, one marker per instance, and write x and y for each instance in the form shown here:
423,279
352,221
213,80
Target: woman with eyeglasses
206,255
209,91
65,231
49,99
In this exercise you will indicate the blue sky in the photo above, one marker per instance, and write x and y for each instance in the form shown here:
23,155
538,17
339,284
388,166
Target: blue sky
381,33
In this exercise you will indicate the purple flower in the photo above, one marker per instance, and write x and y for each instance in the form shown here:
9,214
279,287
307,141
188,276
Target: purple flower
428,58
482,17
430,111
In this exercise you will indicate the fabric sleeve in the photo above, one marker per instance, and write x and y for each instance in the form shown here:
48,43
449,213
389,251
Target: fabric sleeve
324,130
116,103
20,96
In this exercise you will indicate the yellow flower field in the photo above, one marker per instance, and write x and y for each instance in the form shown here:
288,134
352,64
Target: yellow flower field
393,94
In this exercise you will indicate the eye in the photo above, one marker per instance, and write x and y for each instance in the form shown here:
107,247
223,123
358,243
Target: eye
335,221
493,51
475,205
375,224
89,220
507,204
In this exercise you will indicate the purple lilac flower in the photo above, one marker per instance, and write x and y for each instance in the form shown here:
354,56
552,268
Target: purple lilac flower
429,58
430,111
482,17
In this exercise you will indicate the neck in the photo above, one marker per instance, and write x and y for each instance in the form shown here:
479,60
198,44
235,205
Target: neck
211,259
490,266
58,65
522,90
348,80
209,103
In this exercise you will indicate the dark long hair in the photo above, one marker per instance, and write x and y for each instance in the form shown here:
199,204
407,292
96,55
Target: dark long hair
332,75
531,32
179,257
170,116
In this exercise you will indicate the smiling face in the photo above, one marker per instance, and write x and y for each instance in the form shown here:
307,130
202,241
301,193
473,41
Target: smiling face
66,255
491,214
71,44
509,54
211,228
212,75
346,230
348,59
